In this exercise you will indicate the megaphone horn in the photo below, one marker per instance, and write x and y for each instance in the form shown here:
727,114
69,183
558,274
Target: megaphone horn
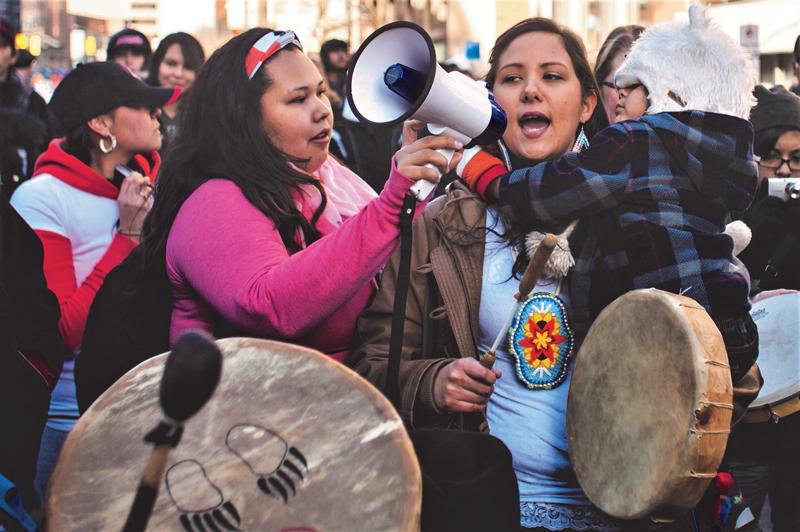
395,76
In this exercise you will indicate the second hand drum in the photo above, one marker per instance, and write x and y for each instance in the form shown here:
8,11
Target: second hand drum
778,321
650,405
289,440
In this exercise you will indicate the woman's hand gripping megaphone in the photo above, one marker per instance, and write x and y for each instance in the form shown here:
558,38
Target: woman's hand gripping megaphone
426,159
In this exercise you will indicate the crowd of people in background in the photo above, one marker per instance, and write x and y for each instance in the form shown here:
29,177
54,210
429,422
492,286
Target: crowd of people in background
162,191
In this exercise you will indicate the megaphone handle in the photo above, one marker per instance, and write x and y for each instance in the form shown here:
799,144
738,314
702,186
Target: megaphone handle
424,188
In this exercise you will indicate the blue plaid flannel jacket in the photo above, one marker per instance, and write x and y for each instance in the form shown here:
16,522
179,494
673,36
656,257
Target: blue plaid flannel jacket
652,196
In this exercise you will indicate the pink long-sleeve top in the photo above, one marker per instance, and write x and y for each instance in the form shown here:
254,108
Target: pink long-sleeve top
226,259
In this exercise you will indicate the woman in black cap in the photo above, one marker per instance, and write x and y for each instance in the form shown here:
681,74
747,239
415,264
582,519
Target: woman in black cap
87,209
130,48
175,64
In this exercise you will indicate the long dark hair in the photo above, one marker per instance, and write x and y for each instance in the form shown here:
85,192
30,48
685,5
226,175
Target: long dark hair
192,50
577,54
221,135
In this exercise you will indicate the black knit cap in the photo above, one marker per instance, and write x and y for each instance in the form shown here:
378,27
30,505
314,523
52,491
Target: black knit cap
776,107
92,89
128,39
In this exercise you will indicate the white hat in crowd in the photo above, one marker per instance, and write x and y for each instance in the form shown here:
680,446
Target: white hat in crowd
692,66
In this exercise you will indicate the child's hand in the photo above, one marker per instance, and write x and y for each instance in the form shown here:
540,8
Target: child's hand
481,172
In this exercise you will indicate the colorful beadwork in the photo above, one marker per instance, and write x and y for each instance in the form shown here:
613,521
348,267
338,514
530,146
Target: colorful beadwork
541,340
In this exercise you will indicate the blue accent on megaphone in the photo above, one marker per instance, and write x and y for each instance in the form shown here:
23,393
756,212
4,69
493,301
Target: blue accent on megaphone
496,127
406,82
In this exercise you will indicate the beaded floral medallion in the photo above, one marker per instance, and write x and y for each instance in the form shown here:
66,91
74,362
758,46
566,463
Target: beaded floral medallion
541,340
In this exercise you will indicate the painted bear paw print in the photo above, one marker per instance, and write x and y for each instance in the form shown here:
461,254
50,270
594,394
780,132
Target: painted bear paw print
279,467
199,500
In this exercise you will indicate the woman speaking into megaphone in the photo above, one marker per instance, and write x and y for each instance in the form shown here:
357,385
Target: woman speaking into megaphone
467,258
260,231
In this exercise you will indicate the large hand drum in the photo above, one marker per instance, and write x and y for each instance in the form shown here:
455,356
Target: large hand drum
650,405
290,440
778,320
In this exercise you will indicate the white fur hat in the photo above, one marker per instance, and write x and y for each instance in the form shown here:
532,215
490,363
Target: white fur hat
692,66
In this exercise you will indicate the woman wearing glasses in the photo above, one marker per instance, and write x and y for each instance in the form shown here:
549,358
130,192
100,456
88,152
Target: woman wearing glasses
260,231
610,57
773,256
765,457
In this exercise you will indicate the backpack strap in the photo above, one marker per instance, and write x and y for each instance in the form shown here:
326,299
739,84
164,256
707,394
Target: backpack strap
399,310
12,512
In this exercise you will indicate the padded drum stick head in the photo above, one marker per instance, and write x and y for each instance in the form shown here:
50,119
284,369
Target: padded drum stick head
191,375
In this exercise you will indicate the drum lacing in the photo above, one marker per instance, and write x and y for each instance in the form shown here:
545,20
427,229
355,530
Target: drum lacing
729,406
702,475
718,364
702,432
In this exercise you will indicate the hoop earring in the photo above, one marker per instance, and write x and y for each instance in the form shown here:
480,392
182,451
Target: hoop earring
103,147
582,142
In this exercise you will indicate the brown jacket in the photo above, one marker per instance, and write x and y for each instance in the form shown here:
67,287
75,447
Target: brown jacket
442,310
442,306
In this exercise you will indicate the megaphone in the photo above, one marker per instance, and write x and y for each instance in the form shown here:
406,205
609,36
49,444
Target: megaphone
394,76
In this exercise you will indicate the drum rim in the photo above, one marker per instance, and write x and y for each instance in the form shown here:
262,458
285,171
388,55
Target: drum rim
768,397
380,402
660,499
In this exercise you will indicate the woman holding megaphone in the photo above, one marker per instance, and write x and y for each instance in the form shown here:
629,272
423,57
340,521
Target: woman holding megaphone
260,231
465,269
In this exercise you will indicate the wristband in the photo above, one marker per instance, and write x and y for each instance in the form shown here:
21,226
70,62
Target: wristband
129,234
478,169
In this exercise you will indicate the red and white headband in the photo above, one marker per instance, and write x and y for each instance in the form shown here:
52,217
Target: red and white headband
265,47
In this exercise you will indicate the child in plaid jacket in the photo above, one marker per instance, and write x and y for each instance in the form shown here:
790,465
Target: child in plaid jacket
653,195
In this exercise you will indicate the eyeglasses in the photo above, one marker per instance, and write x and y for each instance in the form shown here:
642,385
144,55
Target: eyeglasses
624,92
773,161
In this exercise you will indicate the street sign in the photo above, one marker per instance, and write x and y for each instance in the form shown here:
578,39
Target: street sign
472,50
748,37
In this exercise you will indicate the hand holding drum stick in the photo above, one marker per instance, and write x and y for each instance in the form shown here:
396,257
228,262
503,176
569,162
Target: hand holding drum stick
191,375
526,284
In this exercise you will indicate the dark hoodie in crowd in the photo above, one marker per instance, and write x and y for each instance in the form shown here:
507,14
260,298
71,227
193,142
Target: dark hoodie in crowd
21,141
15,95
653,196
31,351
336,76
